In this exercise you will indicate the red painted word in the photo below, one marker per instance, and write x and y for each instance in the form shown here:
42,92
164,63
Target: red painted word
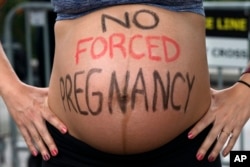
157,48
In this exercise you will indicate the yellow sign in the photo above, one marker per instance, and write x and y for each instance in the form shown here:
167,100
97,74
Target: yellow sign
226,24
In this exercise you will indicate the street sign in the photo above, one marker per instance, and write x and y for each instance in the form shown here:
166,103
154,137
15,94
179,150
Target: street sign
227,38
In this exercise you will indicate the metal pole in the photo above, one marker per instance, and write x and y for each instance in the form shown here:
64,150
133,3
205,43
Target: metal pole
47,52
28,47
9,19
220,78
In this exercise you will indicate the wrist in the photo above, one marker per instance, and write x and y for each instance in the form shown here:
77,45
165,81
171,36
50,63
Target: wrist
10,85
245,77
244,80
246,71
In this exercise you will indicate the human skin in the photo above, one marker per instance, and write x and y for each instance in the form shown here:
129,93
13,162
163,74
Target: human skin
132,80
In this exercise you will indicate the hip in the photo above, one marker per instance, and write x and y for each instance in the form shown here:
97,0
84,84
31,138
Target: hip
179,152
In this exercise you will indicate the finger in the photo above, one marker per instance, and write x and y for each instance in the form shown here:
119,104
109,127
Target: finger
28,141
47,139
208,142
200,126
232,140
37,139
54,120
221,140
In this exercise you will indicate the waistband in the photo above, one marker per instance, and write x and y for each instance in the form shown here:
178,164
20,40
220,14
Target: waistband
179,152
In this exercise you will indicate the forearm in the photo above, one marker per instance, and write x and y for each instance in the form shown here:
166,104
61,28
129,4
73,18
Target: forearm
244,82
8,76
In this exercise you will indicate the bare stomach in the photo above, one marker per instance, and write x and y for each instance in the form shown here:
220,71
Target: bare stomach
129,89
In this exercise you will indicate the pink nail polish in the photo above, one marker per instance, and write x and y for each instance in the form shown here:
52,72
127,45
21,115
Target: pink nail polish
46,157
210,158
190,135
199,157
54,152
34,153
64,130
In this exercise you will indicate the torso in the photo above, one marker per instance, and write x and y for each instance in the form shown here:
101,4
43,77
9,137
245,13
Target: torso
132,86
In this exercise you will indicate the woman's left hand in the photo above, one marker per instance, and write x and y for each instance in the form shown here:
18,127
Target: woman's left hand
228,112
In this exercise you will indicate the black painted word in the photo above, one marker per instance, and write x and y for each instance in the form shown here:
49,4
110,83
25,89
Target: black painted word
127,23
164,88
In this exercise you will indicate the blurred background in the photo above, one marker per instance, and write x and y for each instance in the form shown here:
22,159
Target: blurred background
26,32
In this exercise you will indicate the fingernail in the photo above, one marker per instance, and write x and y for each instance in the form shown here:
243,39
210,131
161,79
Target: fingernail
46,157
34,153
210,158
64,130
225,154
54,152
199,157
190,135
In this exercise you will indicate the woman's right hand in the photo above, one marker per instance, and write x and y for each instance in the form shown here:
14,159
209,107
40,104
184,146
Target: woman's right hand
29,108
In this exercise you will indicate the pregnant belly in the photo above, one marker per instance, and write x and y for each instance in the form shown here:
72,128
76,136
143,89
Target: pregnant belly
127,110
127,89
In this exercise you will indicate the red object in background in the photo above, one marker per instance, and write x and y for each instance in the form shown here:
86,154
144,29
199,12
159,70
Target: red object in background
2,2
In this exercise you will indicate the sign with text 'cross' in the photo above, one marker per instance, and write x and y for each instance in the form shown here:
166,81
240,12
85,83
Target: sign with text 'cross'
227,38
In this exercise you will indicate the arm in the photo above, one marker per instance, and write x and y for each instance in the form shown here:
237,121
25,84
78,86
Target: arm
29,109
229,111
